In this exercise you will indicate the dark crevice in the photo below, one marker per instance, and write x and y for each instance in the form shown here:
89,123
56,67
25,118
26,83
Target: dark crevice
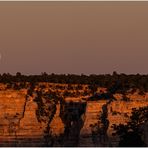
71,115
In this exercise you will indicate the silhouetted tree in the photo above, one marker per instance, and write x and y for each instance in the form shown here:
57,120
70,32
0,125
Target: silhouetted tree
130,134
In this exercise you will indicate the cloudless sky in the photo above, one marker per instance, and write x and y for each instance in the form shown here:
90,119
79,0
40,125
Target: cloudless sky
74,37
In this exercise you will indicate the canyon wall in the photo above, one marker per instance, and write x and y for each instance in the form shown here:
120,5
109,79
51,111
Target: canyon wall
19,127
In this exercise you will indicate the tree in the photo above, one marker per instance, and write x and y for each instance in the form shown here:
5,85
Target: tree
130,134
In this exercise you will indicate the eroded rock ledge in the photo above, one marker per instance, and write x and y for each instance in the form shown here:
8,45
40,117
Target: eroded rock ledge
74,123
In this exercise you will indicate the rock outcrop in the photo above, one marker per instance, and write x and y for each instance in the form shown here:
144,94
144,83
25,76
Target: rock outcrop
78,125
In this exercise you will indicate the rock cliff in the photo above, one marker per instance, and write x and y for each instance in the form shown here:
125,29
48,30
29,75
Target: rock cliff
19,126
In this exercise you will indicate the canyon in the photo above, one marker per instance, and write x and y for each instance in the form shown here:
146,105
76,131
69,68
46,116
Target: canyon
75,121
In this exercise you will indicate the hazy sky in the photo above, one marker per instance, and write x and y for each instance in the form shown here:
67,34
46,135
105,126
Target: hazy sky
74,37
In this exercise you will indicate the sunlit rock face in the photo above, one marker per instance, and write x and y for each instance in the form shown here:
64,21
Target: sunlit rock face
29,125
17,124
20,127
57,126
11,105
92,113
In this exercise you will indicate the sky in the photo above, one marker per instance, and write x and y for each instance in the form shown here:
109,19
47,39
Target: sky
74,37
